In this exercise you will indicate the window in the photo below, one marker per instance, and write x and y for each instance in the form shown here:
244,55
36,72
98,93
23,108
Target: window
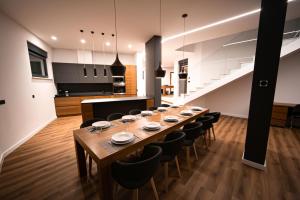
38,62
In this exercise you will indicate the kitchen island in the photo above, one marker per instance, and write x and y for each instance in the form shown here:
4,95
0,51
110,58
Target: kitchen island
102,107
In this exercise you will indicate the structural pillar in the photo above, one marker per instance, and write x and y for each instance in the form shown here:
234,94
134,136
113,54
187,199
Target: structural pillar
153,59
269,41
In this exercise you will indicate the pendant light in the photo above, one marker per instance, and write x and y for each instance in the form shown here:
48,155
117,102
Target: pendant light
84,67
159,72
93,50
182,74
103,51
117,68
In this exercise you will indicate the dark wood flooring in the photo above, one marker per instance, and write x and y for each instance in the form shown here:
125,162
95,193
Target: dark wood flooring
45,168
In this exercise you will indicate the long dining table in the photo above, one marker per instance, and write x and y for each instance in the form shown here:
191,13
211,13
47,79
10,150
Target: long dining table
98,143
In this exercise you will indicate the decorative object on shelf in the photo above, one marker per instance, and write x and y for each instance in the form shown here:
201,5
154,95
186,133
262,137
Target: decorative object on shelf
159,72
93,50
84,67
117,68
104,67
184,62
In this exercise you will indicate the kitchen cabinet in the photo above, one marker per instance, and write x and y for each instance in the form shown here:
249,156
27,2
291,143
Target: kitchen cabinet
130,79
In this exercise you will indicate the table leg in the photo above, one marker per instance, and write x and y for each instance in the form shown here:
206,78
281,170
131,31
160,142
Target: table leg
105,185
81,164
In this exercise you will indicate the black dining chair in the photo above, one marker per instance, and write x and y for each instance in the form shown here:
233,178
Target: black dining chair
134,112
165,105
192,131
216,116
206,125
114,116
295,114
152,108
85,124
170,148
136,172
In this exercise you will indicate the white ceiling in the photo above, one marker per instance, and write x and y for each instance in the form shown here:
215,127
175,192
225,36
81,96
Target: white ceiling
138,21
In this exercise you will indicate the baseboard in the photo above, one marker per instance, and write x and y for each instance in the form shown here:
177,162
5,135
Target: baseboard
254,164
235,115
22,141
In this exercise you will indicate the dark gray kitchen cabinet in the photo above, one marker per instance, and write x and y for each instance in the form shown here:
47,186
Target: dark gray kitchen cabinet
74,73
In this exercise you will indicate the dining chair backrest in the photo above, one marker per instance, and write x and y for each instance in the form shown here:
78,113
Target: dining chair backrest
172,143
114,116
296,110
134,112
90,122
206,121
192,130
152,108
137,172
216,116
165,105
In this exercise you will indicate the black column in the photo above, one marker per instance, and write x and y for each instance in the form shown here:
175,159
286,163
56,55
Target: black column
153,58
270,33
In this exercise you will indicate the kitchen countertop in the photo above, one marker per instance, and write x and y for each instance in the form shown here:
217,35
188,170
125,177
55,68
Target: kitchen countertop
80,94
115,99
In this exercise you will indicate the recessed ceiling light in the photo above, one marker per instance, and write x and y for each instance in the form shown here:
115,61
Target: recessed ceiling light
53,37
107,43
129,46
83,41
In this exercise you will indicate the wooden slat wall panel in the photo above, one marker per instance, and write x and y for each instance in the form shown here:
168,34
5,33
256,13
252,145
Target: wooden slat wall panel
45,168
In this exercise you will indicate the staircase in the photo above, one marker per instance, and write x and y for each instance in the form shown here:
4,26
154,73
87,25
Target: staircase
289,46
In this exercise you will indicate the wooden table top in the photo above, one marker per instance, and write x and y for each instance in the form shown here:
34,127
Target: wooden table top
98,144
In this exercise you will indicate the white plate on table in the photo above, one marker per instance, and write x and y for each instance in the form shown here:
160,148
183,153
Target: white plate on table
146,113
152,126
101,124
197,108
186,112
122,137
162,109
171,118
128,118
174,106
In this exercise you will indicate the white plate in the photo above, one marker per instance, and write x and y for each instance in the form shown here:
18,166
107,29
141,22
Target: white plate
171,119
101,124
197,108
146,113
161,109
174,106
152,126
120,143
128,118
186,112
122,137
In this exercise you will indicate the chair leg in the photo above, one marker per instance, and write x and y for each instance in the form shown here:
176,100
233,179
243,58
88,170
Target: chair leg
195,150
188,159
136,194
166,175
213,130
204,140
154,189
90,165
209,137
177,165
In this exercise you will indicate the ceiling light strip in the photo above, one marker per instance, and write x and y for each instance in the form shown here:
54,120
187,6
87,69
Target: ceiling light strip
214,24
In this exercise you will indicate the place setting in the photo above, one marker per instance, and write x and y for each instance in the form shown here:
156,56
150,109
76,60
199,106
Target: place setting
146,113
186,113
197,108
171,118
162,109
152,126
99,126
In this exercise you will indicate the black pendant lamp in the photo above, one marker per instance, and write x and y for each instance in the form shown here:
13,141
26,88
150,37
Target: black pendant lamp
117,68
159,72
182,74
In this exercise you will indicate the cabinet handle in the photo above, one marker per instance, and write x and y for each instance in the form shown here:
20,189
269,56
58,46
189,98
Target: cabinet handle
95,72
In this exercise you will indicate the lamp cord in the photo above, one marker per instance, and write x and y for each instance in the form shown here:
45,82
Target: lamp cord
116,26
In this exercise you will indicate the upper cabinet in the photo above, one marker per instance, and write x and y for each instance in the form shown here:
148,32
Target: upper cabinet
80,73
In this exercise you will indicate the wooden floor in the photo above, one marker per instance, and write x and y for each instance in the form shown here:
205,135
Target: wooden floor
45,168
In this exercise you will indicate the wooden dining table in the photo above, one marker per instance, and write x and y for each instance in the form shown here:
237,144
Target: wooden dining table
98,143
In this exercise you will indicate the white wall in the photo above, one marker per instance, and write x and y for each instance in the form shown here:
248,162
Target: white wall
166,79
74,56
22,115
233,99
